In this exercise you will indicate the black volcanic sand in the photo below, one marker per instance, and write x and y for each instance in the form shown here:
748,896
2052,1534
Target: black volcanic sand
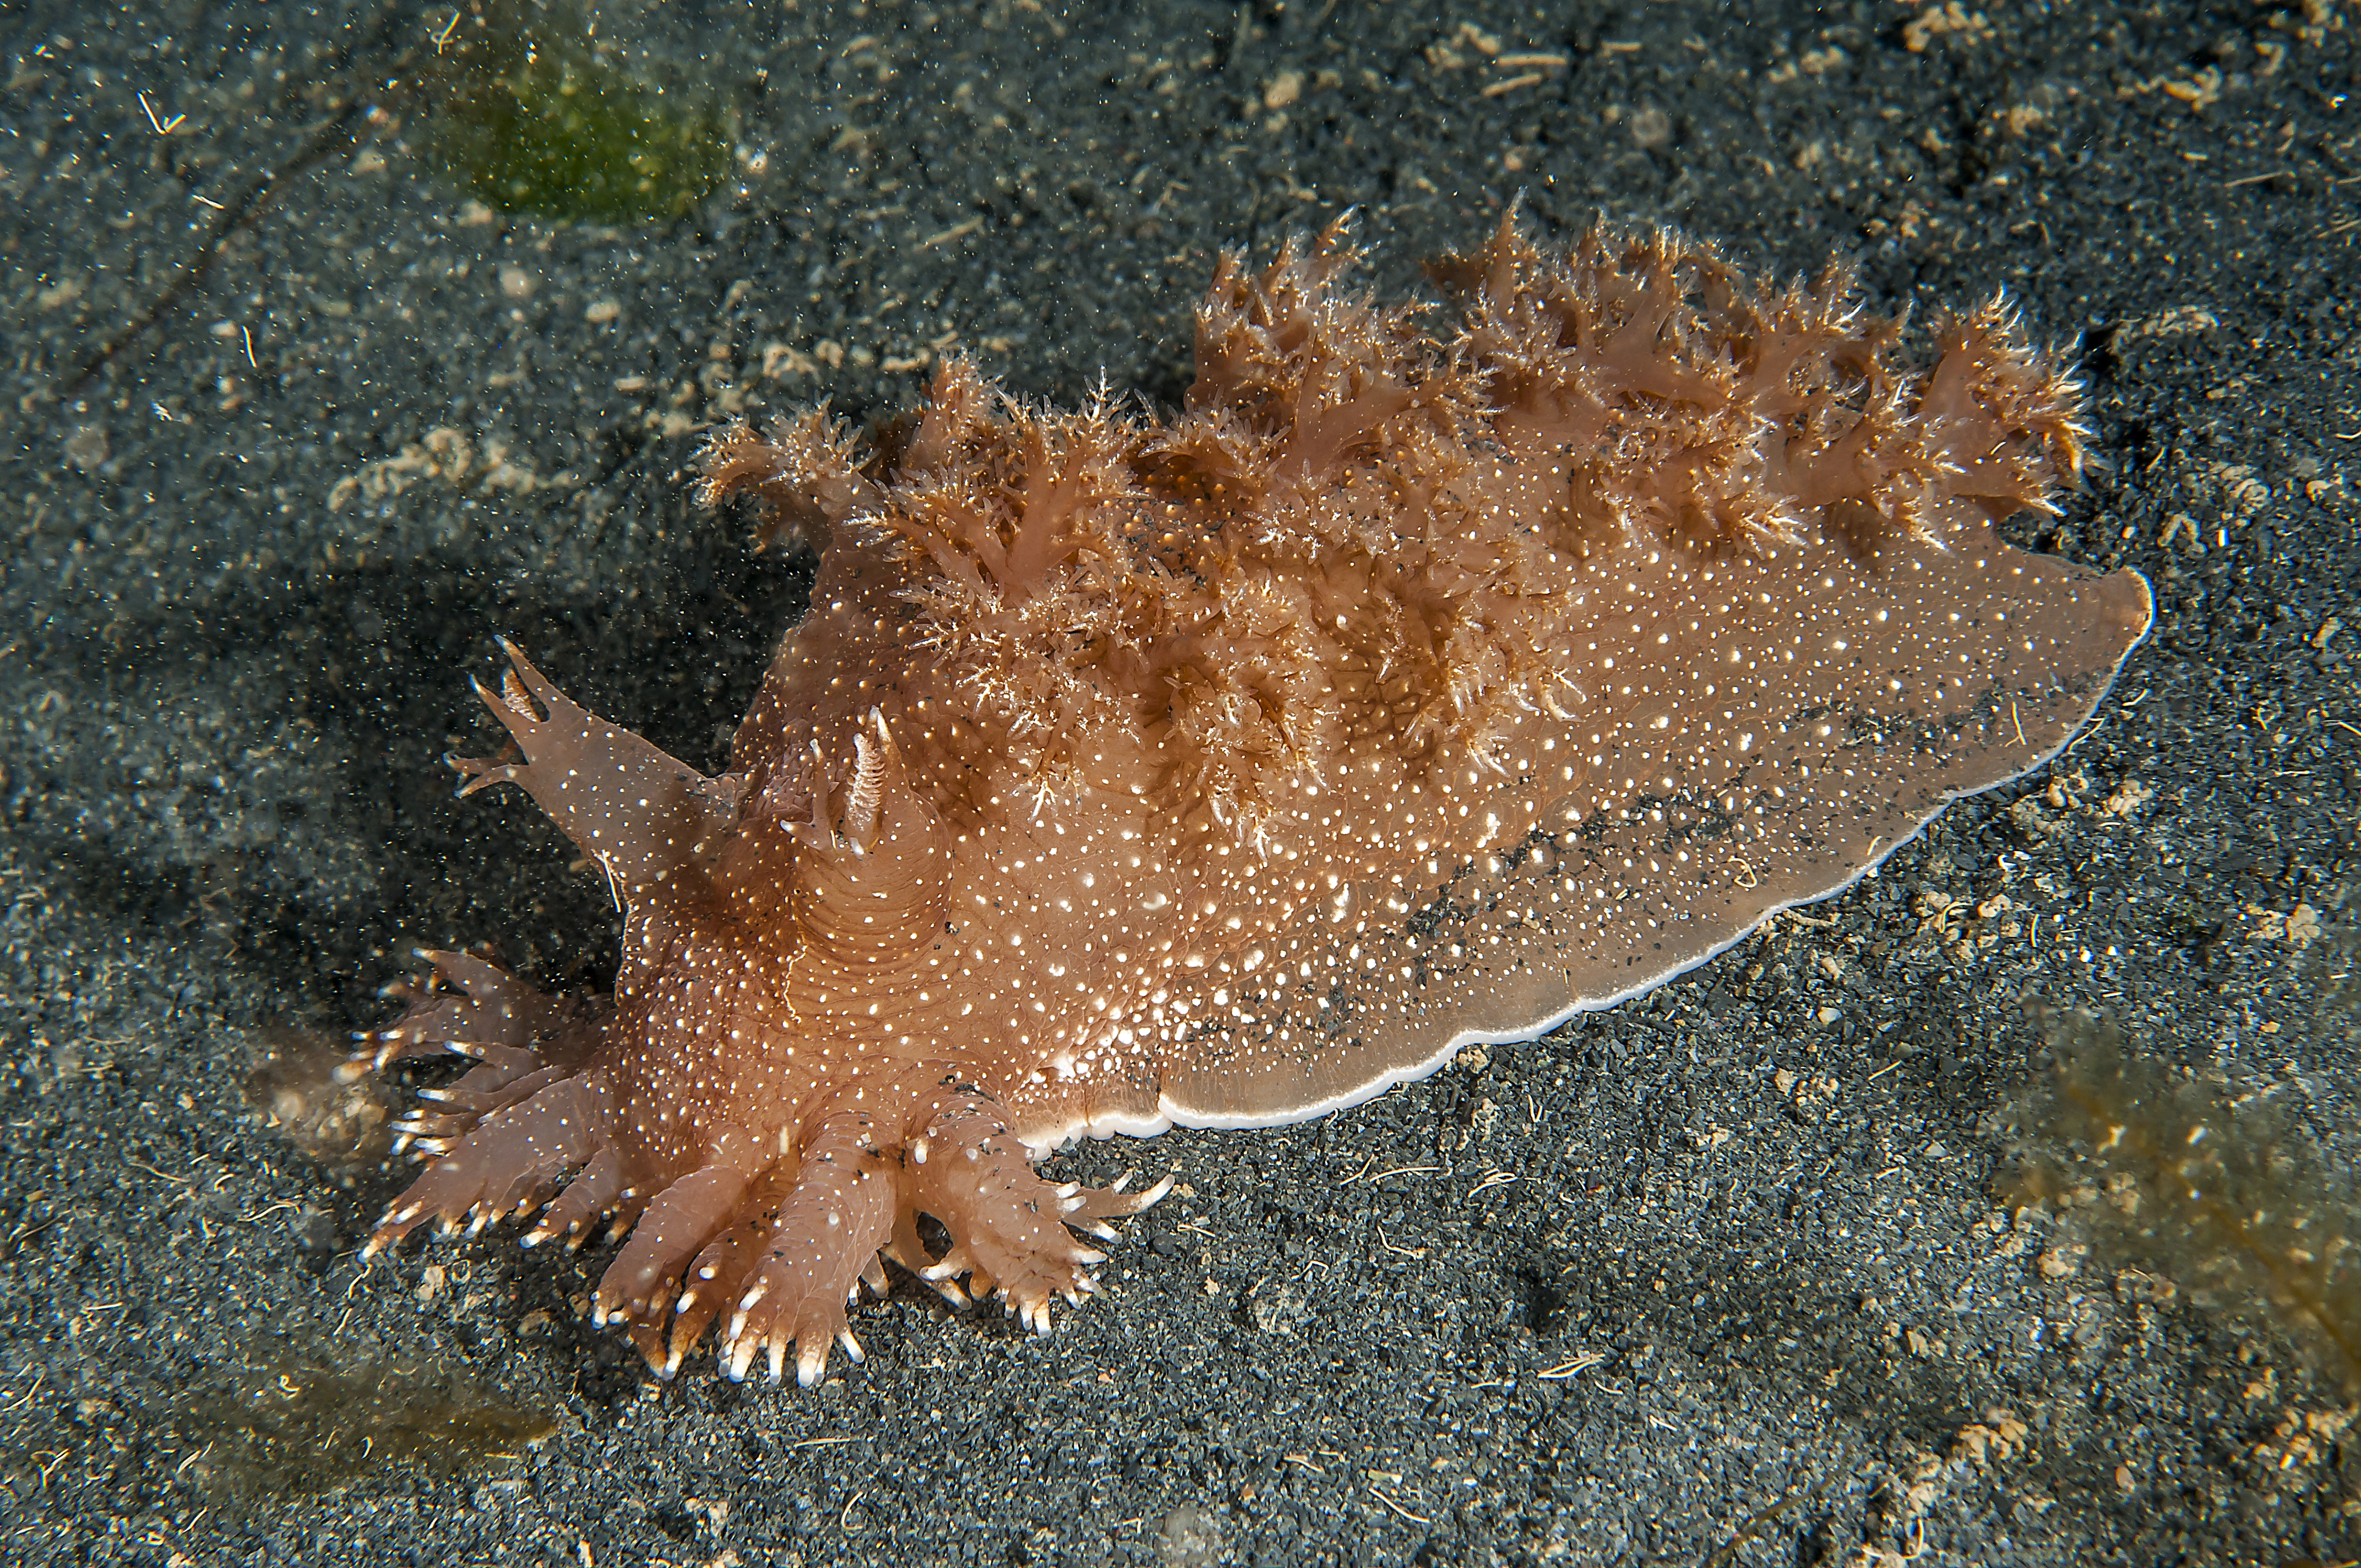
1733,1274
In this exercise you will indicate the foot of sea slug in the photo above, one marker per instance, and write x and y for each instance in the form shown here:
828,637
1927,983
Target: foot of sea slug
861,1182
714,1282
1008,1226
509,1163
512,1129
824,1242
690,1253
469,1006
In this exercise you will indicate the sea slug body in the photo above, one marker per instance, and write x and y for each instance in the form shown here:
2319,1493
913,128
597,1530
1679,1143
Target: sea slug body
1398,692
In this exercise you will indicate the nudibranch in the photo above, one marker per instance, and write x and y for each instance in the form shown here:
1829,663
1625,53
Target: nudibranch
1400,690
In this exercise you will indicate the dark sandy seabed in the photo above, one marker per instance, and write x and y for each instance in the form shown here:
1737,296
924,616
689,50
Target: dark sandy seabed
1735,1274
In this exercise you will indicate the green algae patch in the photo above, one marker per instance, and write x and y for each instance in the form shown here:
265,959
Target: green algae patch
536,114
2218,1193
301,1419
